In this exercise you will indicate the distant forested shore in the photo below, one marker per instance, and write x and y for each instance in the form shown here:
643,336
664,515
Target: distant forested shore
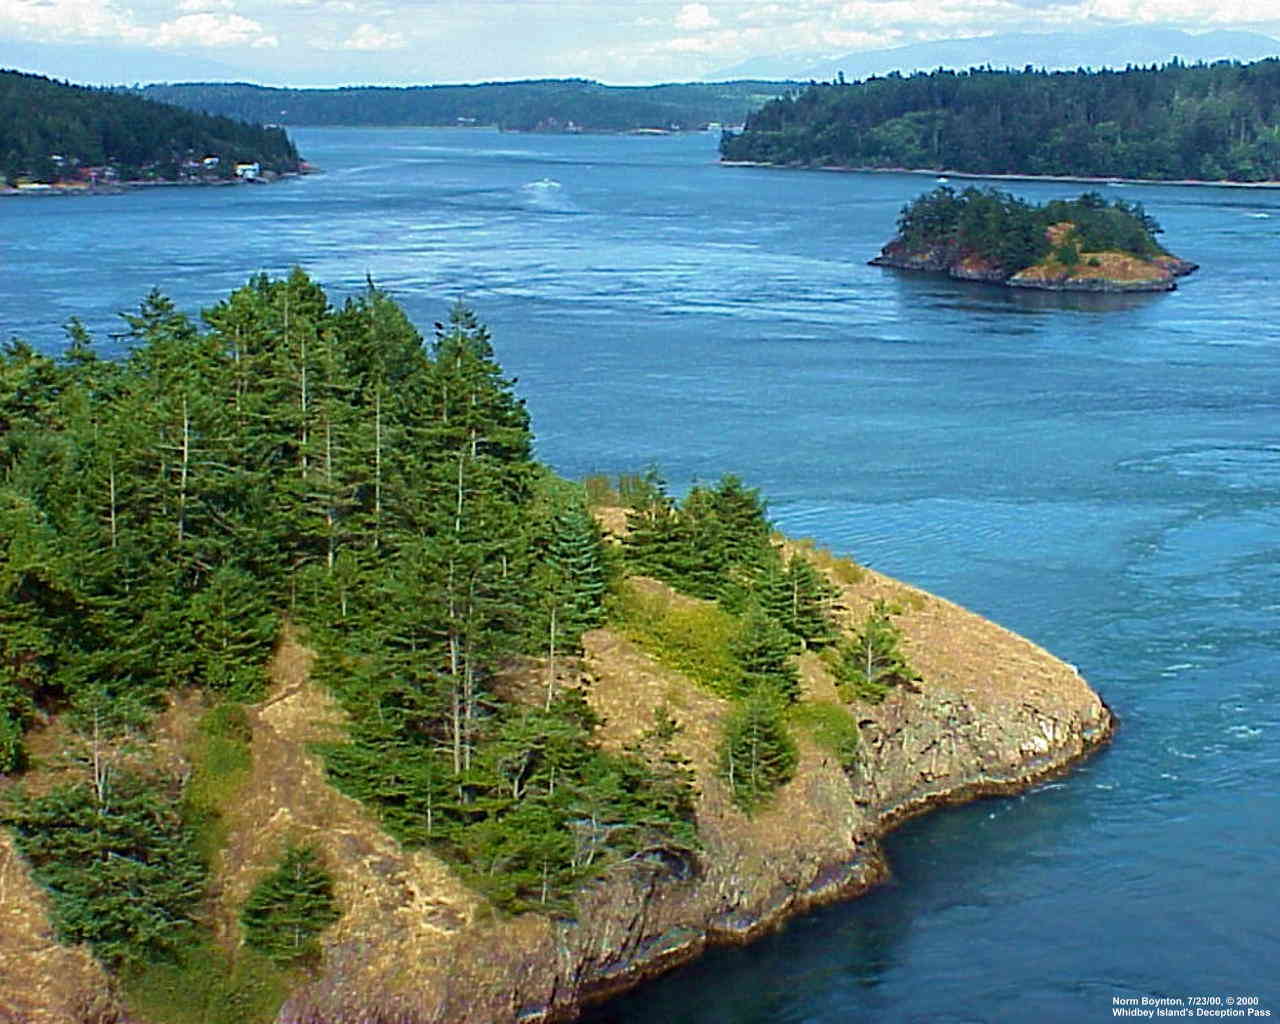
52,132
572,104
1218,122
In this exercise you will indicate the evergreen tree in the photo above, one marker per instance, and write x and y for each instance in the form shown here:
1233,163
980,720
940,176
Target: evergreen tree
288,908
763,647
120,867
872,662
757,755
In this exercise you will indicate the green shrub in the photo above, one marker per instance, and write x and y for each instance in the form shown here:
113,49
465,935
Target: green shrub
831,726
290,907
221,759
695,638
205,984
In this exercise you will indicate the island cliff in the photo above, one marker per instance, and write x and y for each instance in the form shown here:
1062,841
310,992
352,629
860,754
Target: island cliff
1085,245
992,715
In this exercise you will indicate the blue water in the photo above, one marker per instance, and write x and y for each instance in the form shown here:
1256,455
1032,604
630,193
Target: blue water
1100,475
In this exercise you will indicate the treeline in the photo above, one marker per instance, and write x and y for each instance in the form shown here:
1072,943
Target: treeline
759,606
1210,122
291,463
51,131
1012,233
546,105
162,517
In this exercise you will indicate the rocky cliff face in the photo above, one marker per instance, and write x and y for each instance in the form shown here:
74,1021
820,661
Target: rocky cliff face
992,714
1095,272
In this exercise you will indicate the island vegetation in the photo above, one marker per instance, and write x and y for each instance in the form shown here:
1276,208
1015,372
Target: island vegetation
1177,122
52,132
558,105
294,469
990,235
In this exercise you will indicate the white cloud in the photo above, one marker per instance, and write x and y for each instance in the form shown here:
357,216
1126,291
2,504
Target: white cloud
215,30
196,6
66,19
695,18
370,38
86,19
1187,12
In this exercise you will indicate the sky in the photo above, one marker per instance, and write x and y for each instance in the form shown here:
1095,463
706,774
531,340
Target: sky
330,42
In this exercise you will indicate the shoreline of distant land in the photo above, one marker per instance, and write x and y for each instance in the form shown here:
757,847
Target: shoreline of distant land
44,190
943,176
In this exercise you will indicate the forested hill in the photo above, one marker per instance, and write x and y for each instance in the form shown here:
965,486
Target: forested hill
546,105
294,468
51,131
1209,122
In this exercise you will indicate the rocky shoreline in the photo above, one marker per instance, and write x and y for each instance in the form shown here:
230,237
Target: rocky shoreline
994,714
944,175
1119,274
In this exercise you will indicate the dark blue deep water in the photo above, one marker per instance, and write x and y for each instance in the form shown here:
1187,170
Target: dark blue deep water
1101,476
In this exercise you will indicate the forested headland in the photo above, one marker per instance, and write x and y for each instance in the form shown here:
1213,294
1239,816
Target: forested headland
55,132
570,104
1203,122
292,468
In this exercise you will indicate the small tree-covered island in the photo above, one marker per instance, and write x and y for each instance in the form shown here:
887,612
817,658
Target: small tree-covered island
322,700
1084,244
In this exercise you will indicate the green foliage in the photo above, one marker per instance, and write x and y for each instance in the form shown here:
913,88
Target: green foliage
693,638
831,726
870,664
757,755
97,127
160,516
120,867
15,713
1177,122
204,984
221,760
548,105
539,809
763,648
716,536
290,907
1011,233
570,577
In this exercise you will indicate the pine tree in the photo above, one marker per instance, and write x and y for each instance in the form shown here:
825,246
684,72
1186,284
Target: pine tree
121,868
287,909
756,754
809,595
872,662
764,648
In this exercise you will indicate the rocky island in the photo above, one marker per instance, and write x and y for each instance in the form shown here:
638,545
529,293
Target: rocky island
442,737
1084,245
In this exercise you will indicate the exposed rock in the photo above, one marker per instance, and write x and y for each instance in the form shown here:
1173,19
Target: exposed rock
1095,272
994,714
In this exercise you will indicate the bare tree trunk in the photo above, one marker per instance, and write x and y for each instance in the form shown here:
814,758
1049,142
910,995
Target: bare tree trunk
111,492
377,466
551,659
184,472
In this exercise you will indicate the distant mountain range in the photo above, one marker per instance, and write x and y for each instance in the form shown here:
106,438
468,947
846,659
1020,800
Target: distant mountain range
1099,48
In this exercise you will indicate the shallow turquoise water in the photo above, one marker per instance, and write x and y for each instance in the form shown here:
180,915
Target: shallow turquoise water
1100,475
